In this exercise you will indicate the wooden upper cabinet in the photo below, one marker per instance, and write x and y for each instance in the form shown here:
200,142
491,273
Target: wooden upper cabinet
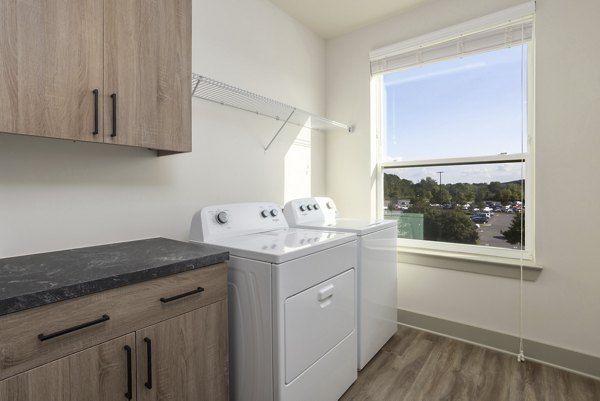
147,65
55,53
99,373
51,52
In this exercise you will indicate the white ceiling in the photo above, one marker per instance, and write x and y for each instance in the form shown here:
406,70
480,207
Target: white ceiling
331,18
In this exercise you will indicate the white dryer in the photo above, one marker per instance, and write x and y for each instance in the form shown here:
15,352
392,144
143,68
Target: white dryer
376,270
292,303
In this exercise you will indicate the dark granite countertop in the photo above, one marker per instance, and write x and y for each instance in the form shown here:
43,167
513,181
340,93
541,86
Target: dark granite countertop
40,279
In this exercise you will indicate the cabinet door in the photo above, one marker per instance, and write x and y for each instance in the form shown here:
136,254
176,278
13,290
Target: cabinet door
99,373
188,355
51,53
147,65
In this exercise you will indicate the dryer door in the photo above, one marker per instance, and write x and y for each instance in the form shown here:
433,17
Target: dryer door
316,320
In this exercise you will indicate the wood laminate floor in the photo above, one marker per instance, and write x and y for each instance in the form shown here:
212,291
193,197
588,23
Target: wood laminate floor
419,366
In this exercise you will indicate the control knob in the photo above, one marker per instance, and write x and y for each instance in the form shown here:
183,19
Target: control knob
274,212
309,207
329,205
302,208
264,213
222,217
316,206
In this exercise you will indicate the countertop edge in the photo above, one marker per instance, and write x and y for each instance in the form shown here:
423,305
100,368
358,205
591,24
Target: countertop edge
41,298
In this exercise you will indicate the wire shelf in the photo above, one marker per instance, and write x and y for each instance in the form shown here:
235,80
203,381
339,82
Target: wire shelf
227,95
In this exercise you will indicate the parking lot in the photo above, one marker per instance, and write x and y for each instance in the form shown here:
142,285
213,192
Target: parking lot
489,233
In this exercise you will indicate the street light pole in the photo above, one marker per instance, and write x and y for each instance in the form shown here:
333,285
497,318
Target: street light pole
440,173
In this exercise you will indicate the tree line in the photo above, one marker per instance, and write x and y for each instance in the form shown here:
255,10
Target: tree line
429,190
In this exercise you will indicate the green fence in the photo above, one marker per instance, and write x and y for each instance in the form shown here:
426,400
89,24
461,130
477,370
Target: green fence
410,225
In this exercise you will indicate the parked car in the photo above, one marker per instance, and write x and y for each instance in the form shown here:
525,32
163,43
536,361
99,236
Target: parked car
480,218
488,211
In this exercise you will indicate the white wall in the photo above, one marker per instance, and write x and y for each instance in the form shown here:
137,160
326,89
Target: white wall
562,307
59,194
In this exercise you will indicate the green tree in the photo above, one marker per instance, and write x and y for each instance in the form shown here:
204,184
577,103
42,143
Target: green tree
481,194
460,192
505,196
513,234
393,197
445,196
400,188
515,190
494,189
418,206
426,188
449,226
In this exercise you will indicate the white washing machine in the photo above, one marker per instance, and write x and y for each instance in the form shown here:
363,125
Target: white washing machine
292,303
376,270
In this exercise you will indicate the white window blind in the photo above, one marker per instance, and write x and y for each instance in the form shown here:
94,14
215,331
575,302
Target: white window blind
472,37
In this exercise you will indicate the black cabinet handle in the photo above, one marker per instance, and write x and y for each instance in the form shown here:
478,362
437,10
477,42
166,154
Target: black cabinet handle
44,337
148,342
95,92
114,116
185,294
129,393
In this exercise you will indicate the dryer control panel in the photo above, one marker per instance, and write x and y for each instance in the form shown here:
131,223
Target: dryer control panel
233,219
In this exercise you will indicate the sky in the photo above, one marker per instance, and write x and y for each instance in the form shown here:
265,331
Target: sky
462,107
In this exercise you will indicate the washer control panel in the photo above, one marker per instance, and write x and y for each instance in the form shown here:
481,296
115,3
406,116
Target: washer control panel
310,210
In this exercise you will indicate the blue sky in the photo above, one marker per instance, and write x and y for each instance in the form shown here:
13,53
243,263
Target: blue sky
462,107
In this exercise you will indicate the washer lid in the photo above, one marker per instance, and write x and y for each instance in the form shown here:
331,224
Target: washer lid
282,245
357,226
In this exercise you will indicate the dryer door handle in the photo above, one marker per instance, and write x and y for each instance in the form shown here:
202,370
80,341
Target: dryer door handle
326,292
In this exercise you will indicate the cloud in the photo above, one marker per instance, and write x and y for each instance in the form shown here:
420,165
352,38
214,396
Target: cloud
396,80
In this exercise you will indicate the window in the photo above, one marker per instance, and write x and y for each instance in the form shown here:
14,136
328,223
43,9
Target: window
455,136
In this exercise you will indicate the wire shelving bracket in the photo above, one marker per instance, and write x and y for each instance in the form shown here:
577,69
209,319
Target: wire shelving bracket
227,95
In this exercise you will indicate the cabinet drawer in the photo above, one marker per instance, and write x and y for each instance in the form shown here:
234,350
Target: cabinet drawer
128,309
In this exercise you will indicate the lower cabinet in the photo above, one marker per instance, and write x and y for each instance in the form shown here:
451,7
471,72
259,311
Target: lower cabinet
184,358
99,373
166,344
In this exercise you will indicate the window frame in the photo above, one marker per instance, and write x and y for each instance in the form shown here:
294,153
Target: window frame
378,117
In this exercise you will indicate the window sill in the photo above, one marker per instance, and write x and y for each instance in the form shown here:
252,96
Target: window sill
489,265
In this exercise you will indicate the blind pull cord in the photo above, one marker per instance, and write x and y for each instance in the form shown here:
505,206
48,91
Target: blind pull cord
521,355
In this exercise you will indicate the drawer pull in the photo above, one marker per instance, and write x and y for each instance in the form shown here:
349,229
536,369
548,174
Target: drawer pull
148,342
114,116
95,92
129,393
44,337
185,294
